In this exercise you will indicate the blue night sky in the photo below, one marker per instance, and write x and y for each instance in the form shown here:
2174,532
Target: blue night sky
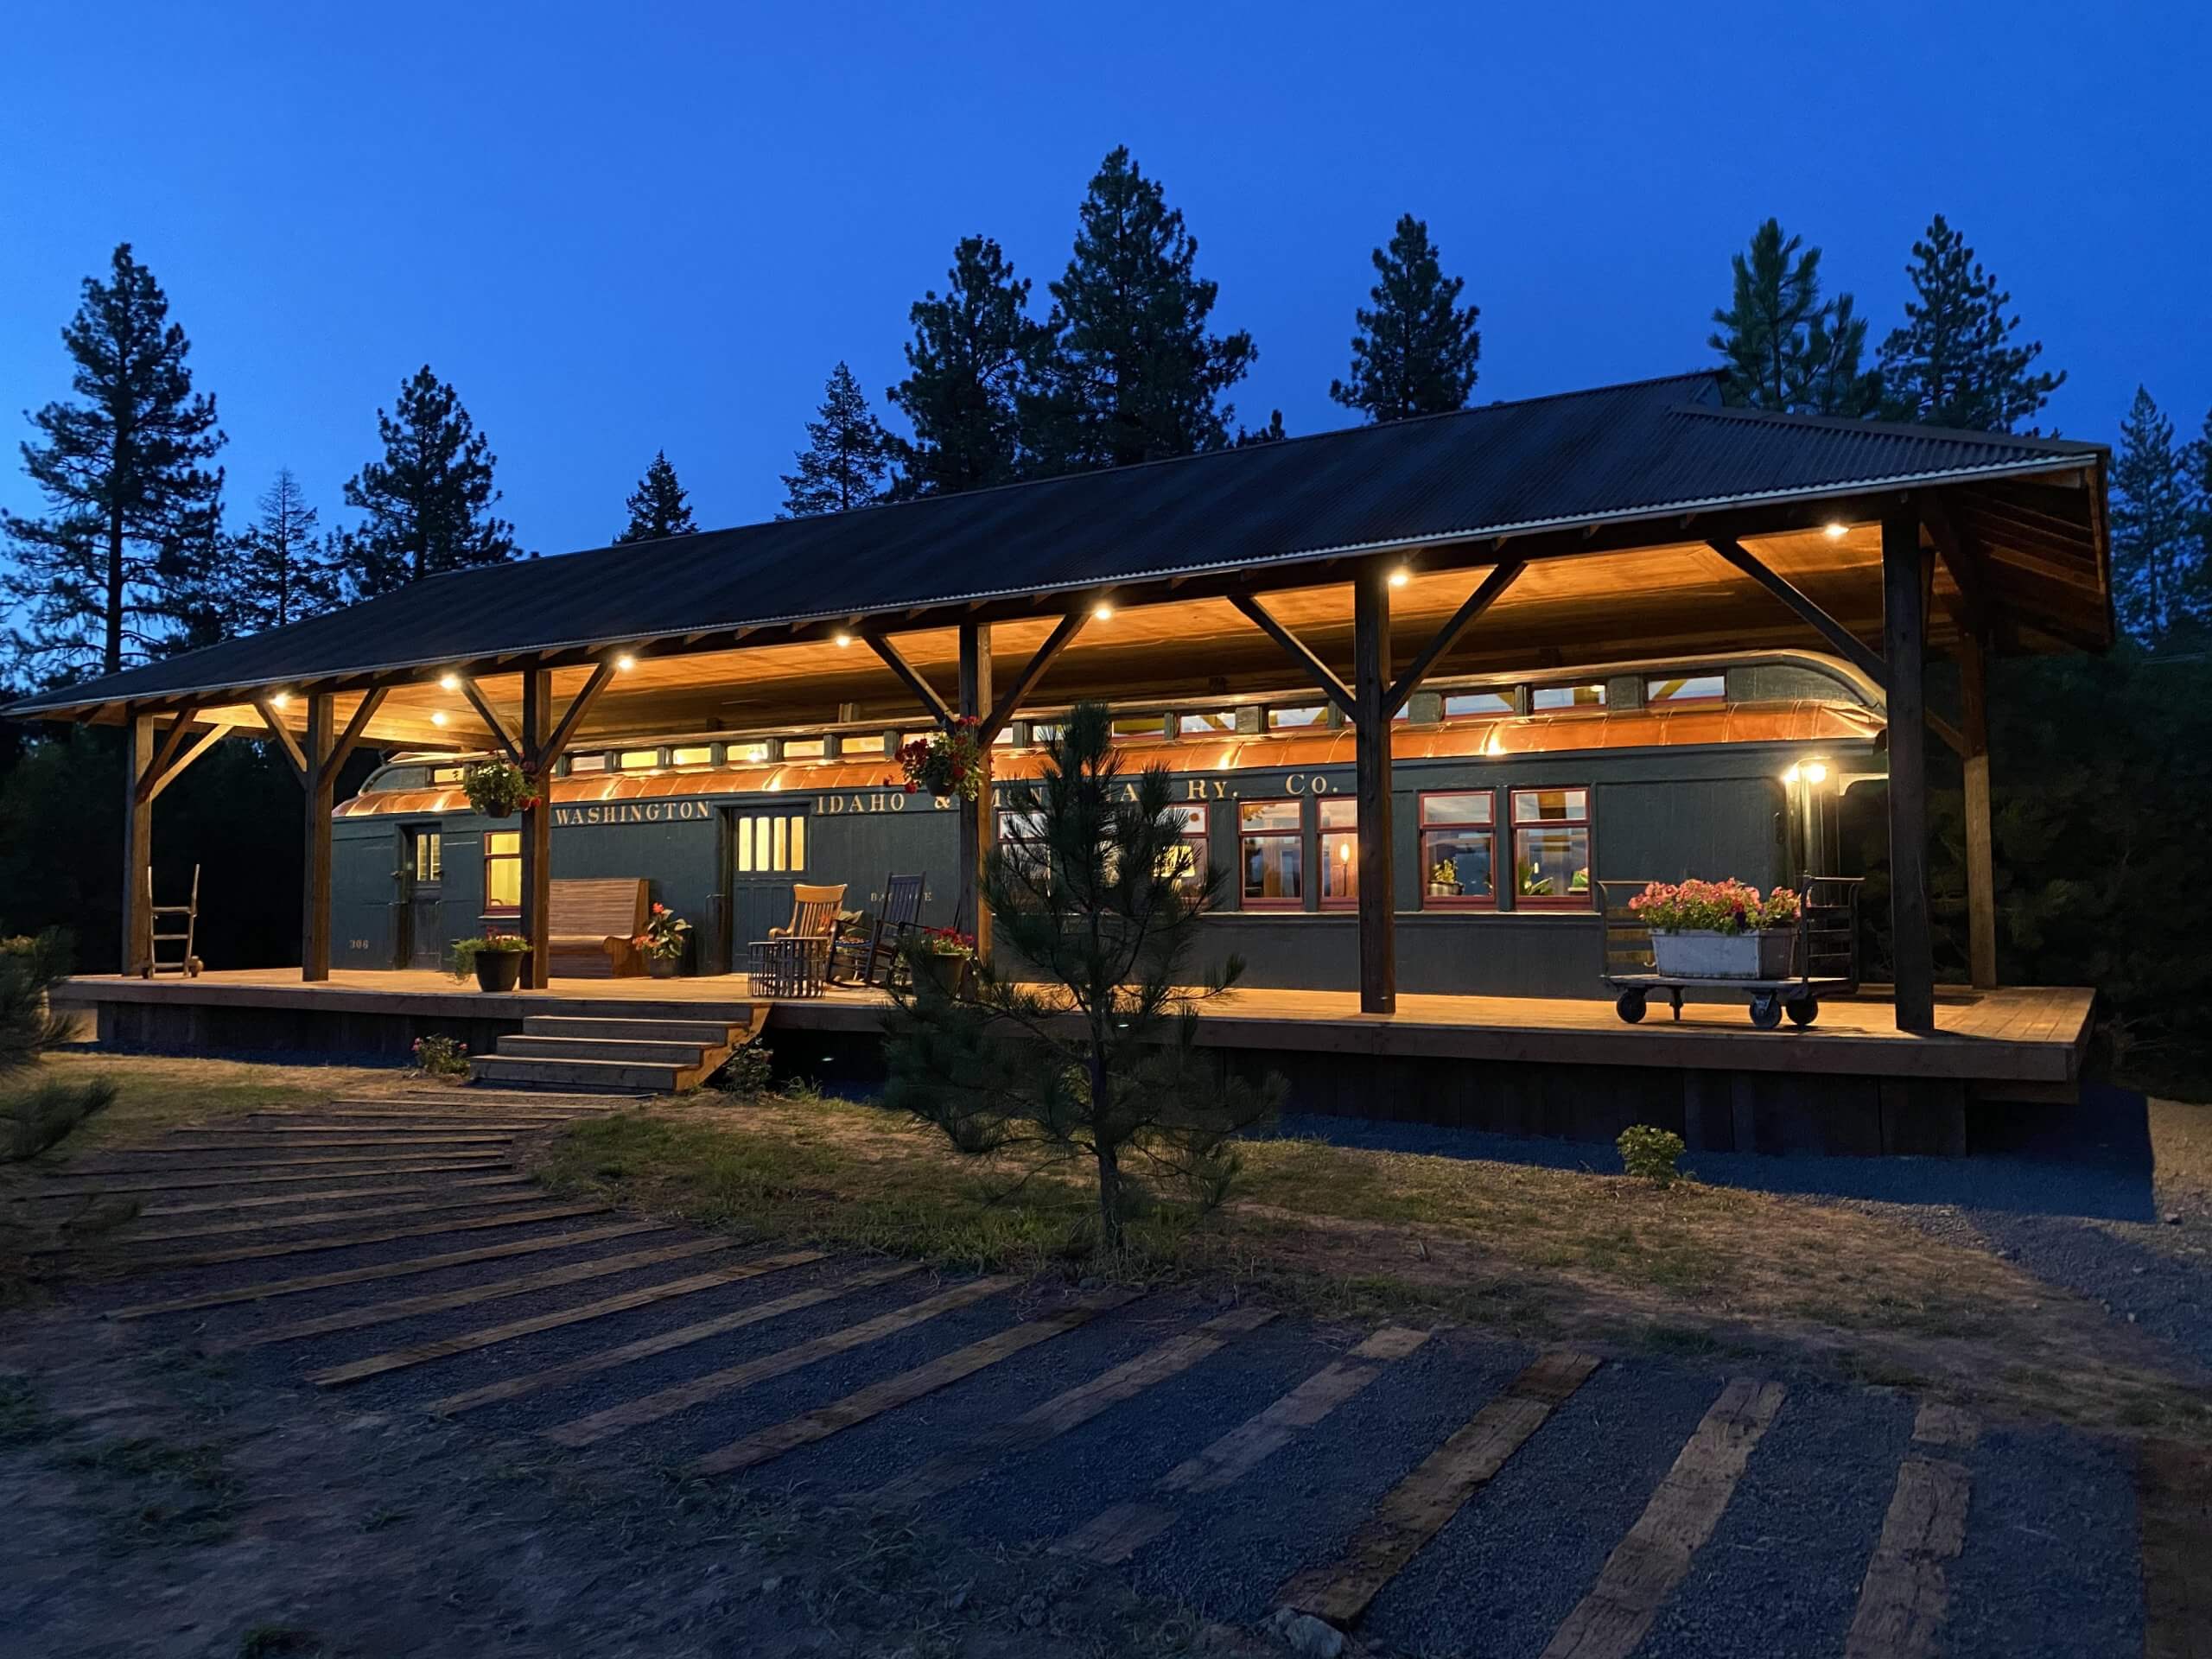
622,228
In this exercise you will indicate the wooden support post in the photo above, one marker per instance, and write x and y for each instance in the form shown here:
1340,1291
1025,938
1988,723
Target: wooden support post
537,828
976,816
1903,650
1378,953
1981,864
315,875
137,846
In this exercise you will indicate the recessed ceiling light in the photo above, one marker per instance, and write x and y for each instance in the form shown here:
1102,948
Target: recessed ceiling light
437,717
1400,577
1102,611
625,662
1837,530
450,682
843,640
280,699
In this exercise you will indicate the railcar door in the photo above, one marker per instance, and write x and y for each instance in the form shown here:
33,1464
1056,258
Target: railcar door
768,849
419,938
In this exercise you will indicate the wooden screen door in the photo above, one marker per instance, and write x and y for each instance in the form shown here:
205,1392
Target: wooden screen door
767,857
421,941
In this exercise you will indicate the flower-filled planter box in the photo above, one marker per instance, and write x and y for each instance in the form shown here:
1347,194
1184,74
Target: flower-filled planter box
1708,954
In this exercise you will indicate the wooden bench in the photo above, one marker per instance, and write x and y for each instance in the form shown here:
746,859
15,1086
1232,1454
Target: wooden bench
591,925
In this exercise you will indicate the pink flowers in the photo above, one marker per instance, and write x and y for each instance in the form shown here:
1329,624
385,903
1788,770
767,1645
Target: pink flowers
1726,906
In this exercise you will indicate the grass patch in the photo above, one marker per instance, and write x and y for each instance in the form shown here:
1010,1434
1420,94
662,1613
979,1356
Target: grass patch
165,1493
1546,1254
155,1092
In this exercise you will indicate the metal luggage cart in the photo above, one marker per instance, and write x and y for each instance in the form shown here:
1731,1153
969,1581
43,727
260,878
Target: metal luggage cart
185,963
1824,958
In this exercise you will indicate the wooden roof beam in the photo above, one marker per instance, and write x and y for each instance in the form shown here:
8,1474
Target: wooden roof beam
161,780
505,739
1501,577
1848,645
1295,649
924,693
356,728
557,744
1026,682
287,745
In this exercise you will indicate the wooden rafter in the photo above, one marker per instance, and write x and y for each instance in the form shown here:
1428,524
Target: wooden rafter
1485,595
1295,649
169,775
287,745
1971,609
1026,682
556,745
356,728
489,716
1848,645
910,678
165,752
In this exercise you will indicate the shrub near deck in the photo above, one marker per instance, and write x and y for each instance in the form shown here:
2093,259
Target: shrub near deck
1541,1252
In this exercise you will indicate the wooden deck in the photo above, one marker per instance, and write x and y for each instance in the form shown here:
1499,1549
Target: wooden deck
2023,1035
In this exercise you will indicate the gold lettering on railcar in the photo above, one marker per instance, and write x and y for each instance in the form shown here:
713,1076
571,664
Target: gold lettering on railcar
881,800
603,812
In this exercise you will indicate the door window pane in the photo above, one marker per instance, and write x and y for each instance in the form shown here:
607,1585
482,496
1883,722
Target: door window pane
429,857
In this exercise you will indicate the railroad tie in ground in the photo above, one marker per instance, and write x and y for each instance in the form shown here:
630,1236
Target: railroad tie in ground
422,1353
1903,1597
1646,1565
384,1163
263,1290
441,1301
208,1206
905,1388
2173,1500
186,1180
298,1140
387,1236
634,1414
315,1217
1114,1535
1069,1408
661,1342
1415,1509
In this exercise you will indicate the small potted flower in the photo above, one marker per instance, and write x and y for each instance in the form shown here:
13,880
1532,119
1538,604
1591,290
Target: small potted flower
497,790
948,762
496,960
1444,880
662,942
1718,930
943,954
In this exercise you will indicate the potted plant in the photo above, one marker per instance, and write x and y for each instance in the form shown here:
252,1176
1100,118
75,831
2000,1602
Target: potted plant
943,954
496,959
497,790
662,942
950,761
1444,880
1718,930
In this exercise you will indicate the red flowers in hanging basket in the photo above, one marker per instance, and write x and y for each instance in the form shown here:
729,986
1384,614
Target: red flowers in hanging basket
950,761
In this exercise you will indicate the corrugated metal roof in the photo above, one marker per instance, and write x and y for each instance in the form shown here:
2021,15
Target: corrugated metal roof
1615,452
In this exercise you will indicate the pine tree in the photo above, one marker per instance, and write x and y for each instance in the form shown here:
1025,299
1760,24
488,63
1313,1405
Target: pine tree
100,581
1416,352
657,507
1271,433
974,352
1955,362
846,454
1784,347
281,570
430,498
1131,373
2157,573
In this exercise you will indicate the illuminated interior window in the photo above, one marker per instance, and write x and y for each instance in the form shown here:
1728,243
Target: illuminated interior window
1127,725
1685,688
1551,848
1186,861
1339,851
503,870
1551,699
581,763
1045,731
638,759
805,748
746,754
1457,703
1191,723
1271,852
446,774
1458,848
1284,719
429,857
693,754
769,843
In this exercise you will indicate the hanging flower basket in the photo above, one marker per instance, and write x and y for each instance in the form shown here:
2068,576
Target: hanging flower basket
497,790
950,761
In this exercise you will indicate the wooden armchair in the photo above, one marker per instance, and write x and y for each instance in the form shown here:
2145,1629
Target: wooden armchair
814,916
591,925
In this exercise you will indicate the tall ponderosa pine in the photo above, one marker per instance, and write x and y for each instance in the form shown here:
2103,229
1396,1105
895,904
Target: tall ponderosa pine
102,582
2157,577
280,570
1132,374
846,454
1955,361
972,358
1416,352
1785,347
430,498
657,507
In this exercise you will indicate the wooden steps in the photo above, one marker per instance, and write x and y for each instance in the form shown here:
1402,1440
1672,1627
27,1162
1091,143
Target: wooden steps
655,1054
